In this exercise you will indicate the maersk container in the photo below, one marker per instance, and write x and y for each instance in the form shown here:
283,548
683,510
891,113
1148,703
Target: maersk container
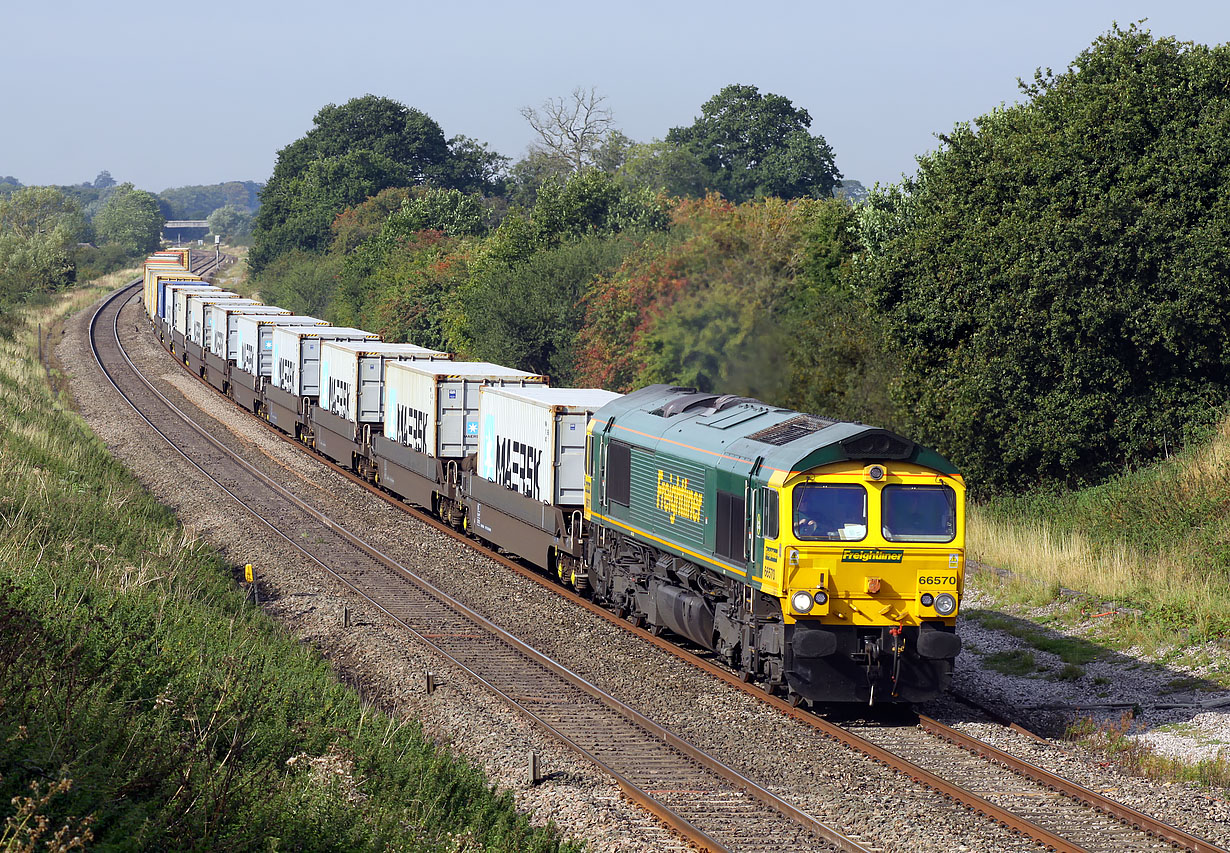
175,306
296,355
352,376
532,440
181,322
222,316
198,318
255,333
433,406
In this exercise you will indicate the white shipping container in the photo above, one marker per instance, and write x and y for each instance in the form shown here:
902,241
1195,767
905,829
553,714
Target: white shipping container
222,316
532,440
296,355
352,376
165,293
198,320
182,320
255,334
433,406
177,307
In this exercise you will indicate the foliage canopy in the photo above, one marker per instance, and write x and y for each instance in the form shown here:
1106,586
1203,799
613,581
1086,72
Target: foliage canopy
756,145
1055,277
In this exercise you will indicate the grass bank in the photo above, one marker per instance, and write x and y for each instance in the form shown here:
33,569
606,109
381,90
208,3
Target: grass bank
143,705
1156,541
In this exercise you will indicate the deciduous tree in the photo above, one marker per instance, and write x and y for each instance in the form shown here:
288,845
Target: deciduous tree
756,145
131,219
1057,274
572,130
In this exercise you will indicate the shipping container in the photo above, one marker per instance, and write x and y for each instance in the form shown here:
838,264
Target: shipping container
255,332
198,320
225,343
154,275
352,376
296,355
171,303
164,293
179,320
432,407
532,440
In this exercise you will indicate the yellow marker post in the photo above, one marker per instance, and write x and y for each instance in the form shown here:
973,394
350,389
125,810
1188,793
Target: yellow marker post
248,573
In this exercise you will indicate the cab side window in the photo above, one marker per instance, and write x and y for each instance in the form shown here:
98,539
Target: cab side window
769,513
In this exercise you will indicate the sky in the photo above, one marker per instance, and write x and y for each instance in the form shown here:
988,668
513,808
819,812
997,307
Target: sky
168,94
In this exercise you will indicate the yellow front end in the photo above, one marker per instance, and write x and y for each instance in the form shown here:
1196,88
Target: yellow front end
858,571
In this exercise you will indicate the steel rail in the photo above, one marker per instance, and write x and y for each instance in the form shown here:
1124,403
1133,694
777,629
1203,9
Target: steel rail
1091,799
1094,800
635,793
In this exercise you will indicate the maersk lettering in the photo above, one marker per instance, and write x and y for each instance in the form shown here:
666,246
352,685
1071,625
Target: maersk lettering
517,466
286,375
339,396
247,359
411,427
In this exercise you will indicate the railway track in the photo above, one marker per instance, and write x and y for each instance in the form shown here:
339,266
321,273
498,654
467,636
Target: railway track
710,804
1056,813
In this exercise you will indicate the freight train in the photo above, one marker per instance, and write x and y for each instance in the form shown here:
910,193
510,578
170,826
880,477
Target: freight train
823,559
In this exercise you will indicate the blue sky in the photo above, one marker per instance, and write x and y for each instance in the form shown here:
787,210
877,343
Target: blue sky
167,94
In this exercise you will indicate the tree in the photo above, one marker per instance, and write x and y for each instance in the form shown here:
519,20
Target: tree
352,152
733,300
31,211
130,219
356,224
1055,276
473,167
758,145
571,130
104,180
667,168
39,229
449,211
229,222
527,314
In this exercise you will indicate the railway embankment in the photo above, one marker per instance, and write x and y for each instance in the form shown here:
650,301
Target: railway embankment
144,699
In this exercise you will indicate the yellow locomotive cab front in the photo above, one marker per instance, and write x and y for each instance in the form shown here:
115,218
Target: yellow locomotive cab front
870,563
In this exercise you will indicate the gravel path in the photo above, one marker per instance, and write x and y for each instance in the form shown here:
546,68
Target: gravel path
858,796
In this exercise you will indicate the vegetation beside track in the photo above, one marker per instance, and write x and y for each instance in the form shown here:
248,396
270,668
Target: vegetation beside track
1150,543
143,705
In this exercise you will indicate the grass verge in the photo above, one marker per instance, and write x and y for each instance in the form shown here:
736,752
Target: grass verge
143,705
1156,541
1114,740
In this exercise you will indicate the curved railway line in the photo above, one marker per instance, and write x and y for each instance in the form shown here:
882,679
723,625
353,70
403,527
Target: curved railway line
709,803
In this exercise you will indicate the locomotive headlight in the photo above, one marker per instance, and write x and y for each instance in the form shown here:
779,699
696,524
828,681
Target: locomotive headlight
801,601
945,604
926,599
875,473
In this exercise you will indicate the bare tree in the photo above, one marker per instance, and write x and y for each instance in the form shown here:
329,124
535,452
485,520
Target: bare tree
572,129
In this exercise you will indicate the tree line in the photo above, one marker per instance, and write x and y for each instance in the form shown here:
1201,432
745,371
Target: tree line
1043,300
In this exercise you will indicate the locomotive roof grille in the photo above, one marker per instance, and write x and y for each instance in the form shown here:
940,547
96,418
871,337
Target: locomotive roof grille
878,444
788,431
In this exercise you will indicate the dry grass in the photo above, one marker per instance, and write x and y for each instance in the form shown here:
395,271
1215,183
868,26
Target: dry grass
1156,540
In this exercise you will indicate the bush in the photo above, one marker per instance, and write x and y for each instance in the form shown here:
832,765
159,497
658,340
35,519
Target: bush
1055,278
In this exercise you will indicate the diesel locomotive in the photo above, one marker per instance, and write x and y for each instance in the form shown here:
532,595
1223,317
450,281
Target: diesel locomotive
823,559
